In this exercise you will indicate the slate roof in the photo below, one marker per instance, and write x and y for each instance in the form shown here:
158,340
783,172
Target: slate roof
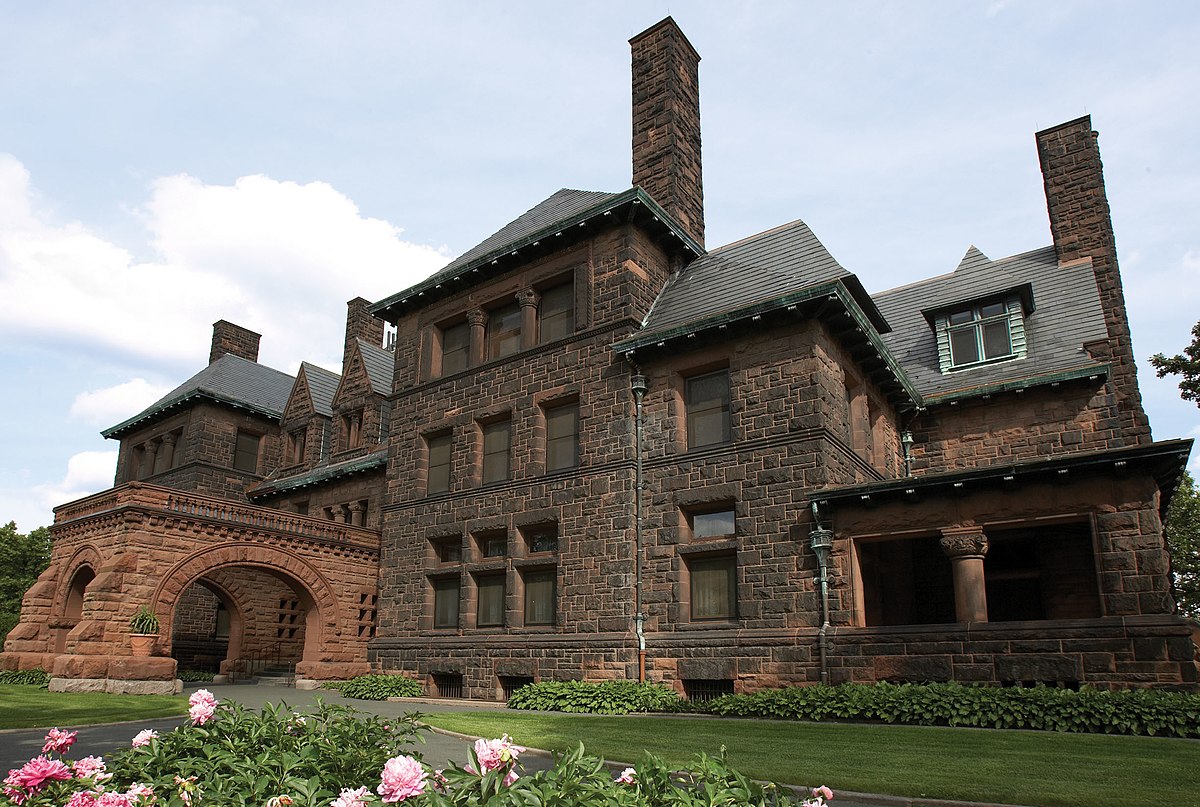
229,380
379,364
735,276
322,386
1065,314
319,474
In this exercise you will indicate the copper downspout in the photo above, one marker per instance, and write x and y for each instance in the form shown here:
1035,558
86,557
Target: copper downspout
637,384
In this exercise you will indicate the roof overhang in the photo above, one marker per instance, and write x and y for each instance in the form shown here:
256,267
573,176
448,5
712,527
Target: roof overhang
169,407
633,206
1087,373
319,475
838,303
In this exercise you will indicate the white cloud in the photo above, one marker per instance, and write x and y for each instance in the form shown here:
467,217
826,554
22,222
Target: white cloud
280,258
87,473
105,407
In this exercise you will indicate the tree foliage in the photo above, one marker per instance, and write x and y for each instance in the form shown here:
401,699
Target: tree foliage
1186,364
1183,542
22,559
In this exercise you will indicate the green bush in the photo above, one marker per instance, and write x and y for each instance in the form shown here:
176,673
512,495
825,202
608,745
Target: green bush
194,675
377,687
1128,711
33,678
604,698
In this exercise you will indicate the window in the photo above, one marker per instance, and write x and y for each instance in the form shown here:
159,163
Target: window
492,544
556,313
456,348
707,402
449,550
504,331
438,473
245,454
542,538
497,440
539,596
296,443
713,583
490,612
978,334
715,524
445,602
562,437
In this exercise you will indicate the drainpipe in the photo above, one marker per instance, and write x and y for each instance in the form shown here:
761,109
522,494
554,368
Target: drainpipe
821,541
637,384
906,443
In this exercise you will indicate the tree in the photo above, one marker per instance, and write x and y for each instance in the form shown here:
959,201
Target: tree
22,559
1187,365
1183,542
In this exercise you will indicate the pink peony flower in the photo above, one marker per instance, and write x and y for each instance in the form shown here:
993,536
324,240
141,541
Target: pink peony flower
402,777
137,790
203,705
114,800
627,777
351,798
83,798
58,742
35,773
92,767
495,754
144,737
823,792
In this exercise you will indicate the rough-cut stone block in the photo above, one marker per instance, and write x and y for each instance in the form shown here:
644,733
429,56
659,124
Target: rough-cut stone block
913,668
1038,668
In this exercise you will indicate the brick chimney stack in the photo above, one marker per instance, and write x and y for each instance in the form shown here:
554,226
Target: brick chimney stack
666,123
230,338
1081,227
360,324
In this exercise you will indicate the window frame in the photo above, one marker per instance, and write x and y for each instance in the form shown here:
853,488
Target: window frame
240,452
1012,315
540,575
494,581
441,585
457,351
561,292
724,562
489,473
432,442
556,443
504,340
694,411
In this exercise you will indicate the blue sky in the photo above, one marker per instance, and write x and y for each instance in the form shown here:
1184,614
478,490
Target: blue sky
165,165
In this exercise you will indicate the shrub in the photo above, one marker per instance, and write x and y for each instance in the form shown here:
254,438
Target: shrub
377,687
144,621
604,698
194,675
1127,711
34,678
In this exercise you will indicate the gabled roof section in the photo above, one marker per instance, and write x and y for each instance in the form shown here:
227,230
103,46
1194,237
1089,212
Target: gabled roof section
379,364
565,218
744,275
1062,314
229,380
322,384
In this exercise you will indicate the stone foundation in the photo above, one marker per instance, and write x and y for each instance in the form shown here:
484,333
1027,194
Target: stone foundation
117,686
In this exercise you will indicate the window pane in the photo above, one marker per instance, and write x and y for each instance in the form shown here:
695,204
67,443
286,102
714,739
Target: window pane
496,442
491,601
450,551
708,409
542,539
556,313
959,317
493,545
539,597
456,348
708,525
245,457
445,602
714,582
504,331
963,347
993,310
438,479
562,437
996,341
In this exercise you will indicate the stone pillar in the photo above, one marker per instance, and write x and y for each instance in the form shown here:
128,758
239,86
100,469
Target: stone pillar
166,457
149,450
478,318
355,419
966,546
339,513
529,299
356,514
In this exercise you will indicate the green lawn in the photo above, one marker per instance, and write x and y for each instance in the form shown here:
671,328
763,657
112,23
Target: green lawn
29,707
1013,767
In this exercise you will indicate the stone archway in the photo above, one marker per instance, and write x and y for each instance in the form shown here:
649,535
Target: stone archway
221,566
69,594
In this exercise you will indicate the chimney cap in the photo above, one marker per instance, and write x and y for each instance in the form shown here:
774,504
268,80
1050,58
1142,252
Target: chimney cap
667,21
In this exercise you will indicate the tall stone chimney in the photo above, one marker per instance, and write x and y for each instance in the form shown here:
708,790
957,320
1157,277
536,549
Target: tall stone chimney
1081,226
666,123
230,338
360,324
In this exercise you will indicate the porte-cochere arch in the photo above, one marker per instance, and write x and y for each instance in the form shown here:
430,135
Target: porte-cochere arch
144,545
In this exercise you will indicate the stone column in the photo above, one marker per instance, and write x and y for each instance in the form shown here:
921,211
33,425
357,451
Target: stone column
149,449
356,514
966,546
167,457
529,299
355,428
339,513
478,318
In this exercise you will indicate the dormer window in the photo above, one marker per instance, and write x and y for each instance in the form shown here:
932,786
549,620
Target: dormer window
982,333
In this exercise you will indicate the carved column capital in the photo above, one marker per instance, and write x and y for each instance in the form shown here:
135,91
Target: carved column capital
528,297
964,543
477,317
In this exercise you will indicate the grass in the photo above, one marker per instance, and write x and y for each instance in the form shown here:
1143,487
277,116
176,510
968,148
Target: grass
23,707
1009,767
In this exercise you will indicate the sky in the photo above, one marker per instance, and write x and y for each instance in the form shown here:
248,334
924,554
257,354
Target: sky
166,165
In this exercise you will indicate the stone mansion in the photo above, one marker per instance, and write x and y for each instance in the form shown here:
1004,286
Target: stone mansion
597,448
